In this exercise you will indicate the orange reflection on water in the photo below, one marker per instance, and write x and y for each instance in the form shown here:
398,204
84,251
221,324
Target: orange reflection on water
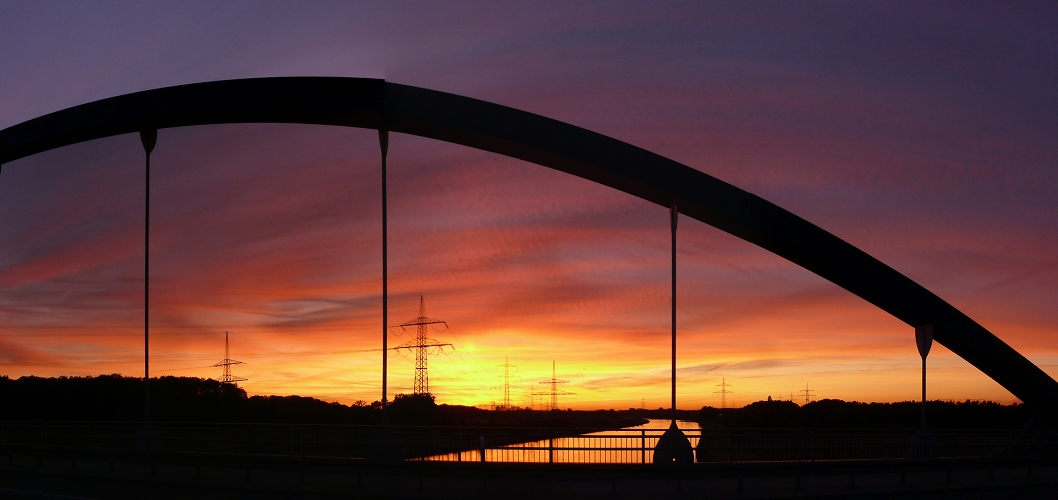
631,445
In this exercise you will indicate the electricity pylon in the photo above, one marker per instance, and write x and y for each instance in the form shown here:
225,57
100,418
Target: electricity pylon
807,393
227,378
723,392
554,393
421,345
506,384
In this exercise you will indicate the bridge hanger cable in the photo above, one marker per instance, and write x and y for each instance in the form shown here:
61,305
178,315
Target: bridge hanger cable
383,141
673,216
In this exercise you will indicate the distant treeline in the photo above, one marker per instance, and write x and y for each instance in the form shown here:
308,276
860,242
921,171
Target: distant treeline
835,413
189,399
173,399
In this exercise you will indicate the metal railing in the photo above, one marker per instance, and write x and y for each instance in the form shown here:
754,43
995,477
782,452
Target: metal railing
521,445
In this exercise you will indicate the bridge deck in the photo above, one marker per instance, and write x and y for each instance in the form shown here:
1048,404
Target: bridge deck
143,474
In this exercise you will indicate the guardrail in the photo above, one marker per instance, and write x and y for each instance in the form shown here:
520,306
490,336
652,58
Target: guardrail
522,445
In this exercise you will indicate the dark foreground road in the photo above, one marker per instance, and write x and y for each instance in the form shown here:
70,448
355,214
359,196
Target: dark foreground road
55,473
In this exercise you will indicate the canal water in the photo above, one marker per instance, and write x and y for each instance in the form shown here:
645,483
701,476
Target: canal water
622,446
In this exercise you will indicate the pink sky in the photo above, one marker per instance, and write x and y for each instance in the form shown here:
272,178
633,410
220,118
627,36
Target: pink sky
924,138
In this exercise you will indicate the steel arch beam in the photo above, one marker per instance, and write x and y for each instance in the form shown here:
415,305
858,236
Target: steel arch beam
373,104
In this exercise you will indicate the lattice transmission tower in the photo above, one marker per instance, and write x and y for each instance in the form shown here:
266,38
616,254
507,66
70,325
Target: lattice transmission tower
506,405
227,377
723,392
422,345
807,393
554,392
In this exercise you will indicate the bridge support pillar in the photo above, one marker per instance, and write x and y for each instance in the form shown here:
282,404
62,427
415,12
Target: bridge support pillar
673,447
924,445
924,340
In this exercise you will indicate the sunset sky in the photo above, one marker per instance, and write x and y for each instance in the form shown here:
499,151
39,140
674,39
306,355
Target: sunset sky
928,137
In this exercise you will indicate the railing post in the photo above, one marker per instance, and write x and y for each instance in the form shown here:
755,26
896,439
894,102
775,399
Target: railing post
481,447
550,450
459,446
643,446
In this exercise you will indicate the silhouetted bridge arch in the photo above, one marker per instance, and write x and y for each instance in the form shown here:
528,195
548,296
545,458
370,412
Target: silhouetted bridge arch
376,104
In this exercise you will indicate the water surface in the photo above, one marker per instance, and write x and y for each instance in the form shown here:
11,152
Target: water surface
621,446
